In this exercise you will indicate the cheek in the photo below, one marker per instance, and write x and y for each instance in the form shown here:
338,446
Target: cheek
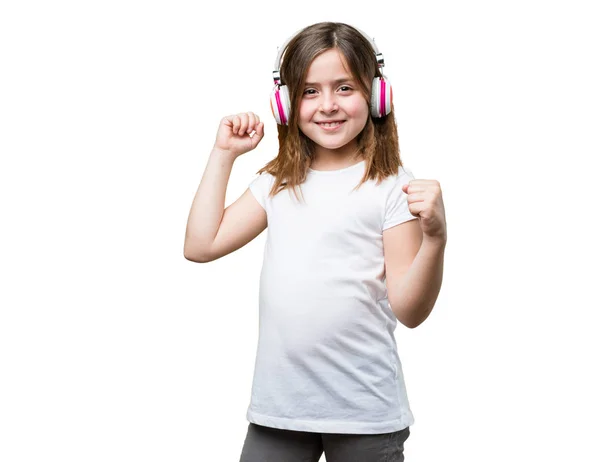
305,112
359,107
306,106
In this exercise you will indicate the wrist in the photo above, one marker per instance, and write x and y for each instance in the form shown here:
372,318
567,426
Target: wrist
223,153
439,241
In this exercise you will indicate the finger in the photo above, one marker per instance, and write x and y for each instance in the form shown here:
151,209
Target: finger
243,124
416,209
413,186
258,135
251,122
236,123
229,120
416,197
422,185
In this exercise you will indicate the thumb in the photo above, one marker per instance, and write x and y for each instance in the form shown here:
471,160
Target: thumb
258,134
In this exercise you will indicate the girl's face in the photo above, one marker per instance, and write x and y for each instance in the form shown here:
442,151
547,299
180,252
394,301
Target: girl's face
324,99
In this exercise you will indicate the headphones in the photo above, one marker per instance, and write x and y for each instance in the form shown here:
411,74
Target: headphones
381,90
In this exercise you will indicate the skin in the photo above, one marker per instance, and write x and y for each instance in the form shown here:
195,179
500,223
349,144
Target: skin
325,100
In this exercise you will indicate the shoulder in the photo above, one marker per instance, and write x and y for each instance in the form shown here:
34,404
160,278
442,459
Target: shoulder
394,182
263,178
261,186
403,174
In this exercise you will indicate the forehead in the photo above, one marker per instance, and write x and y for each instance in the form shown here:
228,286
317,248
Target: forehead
328,67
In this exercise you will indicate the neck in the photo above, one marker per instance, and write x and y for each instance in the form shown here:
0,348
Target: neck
333,159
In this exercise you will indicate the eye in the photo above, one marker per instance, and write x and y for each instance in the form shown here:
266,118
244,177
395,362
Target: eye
306,92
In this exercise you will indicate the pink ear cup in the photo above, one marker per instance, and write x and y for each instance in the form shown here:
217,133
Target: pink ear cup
280,104
381,97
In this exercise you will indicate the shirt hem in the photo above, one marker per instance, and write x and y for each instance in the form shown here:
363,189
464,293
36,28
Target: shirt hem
399,221
331,426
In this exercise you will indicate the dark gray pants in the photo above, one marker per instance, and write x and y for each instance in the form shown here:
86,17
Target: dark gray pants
266,444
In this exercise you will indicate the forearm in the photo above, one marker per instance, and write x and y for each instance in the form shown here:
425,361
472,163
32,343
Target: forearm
419,288
208,205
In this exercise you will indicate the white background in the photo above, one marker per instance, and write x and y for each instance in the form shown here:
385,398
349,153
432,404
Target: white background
114,347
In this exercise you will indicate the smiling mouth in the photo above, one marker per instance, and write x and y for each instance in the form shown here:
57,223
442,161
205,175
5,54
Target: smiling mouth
330,124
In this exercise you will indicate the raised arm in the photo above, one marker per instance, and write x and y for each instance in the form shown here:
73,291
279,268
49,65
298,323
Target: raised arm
207,208
211,231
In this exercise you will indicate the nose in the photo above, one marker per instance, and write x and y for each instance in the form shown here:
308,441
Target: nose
328,102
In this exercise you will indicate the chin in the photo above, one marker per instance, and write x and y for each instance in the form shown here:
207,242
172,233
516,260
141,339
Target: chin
333,146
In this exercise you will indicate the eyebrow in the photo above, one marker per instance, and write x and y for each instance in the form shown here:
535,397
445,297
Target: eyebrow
345,79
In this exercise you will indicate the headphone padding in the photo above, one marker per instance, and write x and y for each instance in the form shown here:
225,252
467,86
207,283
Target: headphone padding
280,104
381,97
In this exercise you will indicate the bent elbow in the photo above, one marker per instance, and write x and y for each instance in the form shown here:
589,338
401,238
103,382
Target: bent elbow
196,258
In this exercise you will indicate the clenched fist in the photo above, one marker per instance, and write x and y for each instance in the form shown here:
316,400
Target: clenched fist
233,135
425,202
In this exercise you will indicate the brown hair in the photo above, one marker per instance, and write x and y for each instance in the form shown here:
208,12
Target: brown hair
377,142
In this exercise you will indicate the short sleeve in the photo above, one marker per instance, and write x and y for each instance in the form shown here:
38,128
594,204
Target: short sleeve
396,205
260,187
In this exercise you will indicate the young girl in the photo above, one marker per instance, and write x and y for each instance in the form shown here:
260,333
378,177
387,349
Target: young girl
359,248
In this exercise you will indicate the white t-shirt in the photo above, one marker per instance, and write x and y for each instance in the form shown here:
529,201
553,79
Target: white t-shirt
327,359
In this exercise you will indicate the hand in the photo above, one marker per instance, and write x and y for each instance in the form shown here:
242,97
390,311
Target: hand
425,202
233,135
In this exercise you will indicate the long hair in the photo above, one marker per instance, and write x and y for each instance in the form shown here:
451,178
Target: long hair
377,142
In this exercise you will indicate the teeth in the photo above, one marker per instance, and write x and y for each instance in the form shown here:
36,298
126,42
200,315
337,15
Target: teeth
335,124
